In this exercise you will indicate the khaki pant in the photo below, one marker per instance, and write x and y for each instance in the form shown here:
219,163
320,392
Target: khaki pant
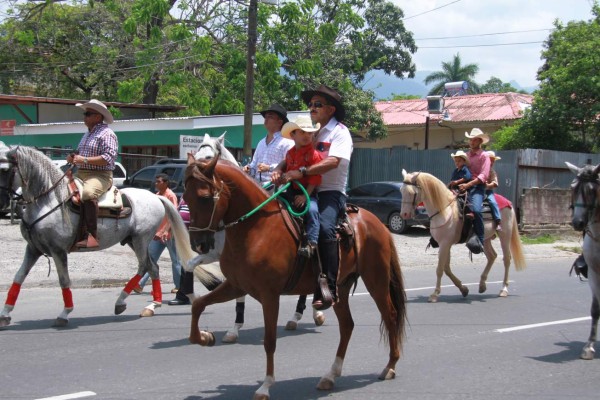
95,183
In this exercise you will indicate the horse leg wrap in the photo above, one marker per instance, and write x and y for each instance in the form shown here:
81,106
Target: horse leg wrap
156,291
67,297
133,282
239,312
13,294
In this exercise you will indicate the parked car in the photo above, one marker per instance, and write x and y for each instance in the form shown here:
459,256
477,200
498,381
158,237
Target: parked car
145,177
119,173
384,199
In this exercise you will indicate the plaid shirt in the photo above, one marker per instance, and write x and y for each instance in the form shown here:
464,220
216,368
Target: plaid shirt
100,141
271,154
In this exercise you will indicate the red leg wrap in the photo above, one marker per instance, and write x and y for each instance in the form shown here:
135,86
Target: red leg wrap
156,290
67,297
133,282
13,294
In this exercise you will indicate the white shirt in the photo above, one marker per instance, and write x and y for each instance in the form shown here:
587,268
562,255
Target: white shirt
271,154
334,140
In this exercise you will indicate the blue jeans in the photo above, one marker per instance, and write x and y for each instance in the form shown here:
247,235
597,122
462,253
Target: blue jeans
476,199
155,249
331,204
312,221
493,204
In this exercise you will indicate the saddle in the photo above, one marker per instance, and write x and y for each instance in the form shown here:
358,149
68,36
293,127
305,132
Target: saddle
112,204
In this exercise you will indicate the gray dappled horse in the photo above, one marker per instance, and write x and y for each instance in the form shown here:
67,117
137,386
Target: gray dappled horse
208,149
586,218
50,227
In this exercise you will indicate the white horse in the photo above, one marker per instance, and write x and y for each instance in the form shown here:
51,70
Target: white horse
49,225
446,226
586,218
208,149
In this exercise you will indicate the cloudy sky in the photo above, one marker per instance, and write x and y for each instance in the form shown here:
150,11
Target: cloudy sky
486,24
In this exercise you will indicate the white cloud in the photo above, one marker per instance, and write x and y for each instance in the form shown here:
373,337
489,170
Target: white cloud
476,17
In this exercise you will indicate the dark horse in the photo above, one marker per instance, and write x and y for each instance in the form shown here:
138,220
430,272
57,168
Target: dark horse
585,203
219,194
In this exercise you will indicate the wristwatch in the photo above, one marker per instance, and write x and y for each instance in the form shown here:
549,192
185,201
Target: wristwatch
85,160
303,170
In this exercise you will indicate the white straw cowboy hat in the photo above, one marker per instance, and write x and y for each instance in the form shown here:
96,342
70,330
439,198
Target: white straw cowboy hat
301,122
462,155
477,133
98,107
493,155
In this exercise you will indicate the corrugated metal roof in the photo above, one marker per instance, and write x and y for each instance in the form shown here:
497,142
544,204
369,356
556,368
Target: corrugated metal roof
469,108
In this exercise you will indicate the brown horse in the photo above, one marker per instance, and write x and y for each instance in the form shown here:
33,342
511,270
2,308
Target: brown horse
258,259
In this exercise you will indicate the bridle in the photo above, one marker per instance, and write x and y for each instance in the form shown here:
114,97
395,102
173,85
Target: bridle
413,182
586,186
215,200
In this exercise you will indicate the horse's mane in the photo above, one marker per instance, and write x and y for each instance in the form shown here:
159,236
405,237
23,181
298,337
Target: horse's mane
434,190
38,171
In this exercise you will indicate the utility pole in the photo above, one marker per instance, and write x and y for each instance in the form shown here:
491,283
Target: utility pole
249,94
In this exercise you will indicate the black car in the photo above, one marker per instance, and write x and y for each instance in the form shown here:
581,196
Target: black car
384,199
145,177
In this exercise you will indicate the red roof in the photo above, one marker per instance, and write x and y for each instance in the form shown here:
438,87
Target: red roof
477,107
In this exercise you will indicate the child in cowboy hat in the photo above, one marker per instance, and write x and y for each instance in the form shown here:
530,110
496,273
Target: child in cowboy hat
490,185
461,173
299,157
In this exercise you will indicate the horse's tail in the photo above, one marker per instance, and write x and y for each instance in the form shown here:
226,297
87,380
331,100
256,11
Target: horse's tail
186,254
397,295
516,248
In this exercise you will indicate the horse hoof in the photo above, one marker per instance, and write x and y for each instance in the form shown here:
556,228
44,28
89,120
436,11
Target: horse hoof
4,322
587,353
325,384
387,373
120,308
433,298
207,339
260,396
503,293
290,326
482,287
230,337
465,291
60,323
147,313
319,318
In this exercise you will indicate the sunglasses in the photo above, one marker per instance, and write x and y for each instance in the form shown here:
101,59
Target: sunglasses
87,114
316,104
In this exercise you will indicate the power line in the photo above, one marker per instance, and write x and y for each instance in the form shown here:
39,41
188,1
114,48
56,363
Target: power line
484,34
477,45
427,12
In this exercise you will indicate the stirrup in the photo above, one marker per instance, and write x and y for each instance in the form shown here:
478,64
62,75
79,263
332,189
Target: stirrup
87,243
323,298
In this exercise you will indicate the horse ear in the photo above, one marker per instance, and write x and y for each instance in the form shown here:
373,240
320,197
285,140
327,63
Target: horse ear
574,169
190,159
597,169
221,139
404,173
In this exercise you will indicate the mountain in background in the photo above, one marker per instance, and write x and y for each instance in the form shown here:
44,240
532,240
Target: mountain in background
385,86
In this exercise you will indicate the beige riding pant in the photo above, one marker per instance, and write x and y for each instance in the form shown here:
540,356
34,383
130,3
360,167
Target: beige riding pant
95,183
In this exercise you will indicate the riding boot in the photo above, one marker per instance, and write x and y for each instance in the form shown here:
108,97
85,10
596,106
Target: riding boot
329,257
91,215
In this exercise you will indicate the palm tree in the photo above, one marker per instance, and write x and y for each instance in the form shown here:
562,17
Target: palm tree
453,71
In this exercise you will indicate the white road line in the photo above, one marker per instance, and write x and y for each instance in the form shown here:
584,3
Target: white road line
531,326
432,287
78,395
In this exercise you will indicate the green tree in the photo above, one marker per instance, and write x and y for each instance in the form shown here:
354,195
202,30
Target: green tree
564,114
453,71
495,85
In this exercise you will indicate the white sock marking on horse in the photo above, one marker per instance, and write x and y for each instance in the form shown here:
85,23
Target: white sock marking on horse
65,313
297,317
153,306
336,370
264,388
6,311
121,298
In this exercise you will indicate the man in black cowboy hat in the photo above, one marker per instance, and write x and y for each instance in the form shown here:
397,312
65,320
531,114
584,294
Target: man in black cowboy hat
334,142
271,150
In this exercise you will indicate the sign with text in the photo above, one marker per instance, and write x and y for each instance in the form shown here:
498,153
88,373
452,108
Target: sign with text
189,144
7,127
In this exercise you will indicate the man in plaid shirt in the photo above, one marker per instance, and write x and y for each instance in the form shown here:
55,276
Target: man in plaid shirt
95,159
271,150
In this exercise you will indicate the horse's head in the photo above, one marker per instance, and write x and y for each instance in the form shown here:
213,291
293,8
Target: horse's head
203,195
584,194
411,195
